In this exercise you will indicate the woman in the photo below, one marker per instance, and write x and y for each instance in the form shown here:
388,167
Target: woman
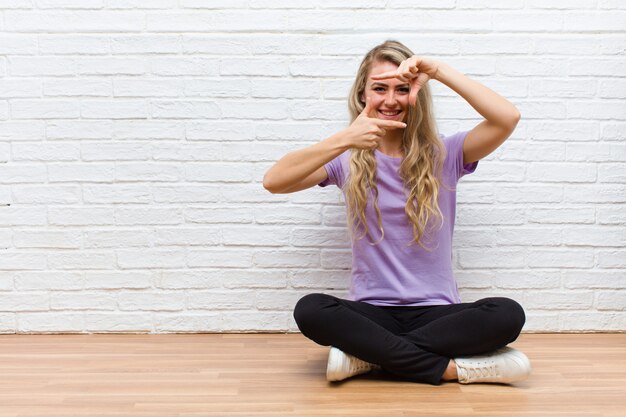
404,314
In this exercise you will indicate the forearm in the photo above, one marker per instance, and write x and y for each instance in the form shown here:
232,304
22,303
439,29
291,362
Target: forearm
488,103
294,167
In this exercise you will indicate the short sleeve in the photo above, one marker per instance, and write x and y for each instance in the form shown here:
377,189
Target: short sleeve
336,170
454,157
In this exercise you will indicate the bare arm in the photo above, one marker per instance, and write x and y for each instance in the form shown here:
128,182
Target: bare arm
501,116
293,170
304,168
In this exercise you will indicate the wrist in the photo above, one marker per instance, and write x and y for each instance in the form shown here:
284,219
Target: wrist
341,140
442,70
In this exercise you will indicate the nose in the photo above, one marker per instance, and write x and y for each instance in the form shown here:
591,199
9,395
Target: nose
390,98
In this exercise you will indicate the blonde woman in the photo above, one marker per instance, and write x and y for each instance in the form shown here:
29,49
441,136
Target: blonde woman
403,314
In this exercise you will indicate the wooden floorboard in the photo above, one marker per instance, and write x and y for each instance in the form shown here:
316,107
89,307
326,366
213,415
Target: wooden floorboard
273,375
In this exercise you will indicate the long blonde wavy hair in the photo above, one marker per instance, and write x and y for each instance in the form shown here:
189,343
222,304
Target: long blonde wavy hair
422,161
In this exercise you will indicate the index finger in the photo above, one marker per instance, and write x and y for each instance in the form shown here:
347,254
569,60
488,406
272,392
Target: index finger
384,75
390,123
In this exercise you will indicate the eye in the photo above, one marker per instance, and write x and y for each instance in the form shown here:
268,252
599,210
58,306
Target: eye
405,89
378,88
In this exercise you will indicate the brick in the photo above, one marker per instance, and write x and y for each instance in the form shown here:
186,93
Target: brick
611,173
613,214
219,258
613,300
22,131
44,109
195,322
147,129
336,258
186,194
254,278
492,258
320,279
220,131
180,66
56,322
47,194
18,302
22,173
118,322
550,172
81,259
22,261
151,301
114,109
212,172
316,237
48,280
74,44
115,280
45,151
95,172
74,21
99,239
77,87
42,66
119,151
153,172
80,216
140,4
148,215
78,129
256,235
150,258
218,215
288,215
182,236
186,279
187,109
562,258
146,44
111,66
47,239
19,88
221,300
86,301
187,152
116,193
562,215
611,258
147,87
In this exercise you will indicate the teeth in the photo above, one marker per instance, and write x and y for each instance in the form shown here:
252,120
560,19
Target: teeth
390,113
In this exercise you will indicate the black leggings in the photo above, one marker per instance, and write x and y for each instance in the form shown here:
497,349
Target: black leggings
414,343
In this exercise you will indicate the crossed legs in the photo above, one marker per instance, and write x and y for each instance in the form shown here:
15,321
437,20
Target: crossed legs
414,343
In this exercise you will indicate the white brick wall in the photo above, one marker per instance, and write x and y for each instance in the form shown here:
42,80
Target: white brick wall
134,136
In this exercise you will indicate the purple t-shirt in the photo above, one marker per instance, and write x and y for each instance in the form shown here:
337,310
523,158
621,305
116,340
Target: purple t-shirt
392,272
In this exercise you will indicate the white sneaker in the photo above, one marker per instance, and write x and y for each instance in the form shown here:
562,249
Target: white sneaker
341,365
504,365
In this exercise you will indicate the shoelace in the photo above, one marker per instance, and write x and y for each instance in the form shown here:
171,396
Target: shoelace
485,369
358,365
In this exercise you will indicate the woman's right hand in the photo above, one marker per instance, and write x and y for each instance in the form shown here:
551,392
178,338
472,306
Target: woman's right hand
366,131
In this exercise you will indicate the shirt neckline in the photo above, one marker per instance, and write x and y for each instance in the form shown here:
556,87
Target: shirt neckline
393,158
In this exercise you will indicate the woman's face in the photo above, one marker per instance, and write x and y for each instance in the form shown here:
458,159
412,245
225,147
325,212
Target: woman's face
390,97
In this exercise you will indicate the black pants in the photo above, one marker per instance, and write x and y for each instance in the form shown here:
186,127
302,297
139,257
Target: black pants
414,343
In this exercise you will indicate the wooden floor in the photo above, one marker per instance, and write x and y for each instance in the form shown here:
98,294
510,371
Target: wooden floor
206,375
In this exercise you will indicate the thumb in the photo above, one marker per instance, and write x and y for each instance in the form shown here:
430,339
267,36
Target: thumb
368,107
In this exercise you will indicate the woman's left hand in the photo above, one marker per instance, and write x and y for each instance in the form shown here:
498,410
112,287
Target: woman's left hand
416,71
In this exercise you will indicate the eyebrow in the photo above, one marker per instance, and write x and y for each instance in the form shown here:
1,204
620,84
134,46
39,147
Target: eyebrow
386,85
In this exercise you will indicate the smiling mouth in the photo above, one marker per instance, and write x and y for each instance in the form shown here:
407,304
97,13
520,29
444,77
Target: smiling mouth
393,113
